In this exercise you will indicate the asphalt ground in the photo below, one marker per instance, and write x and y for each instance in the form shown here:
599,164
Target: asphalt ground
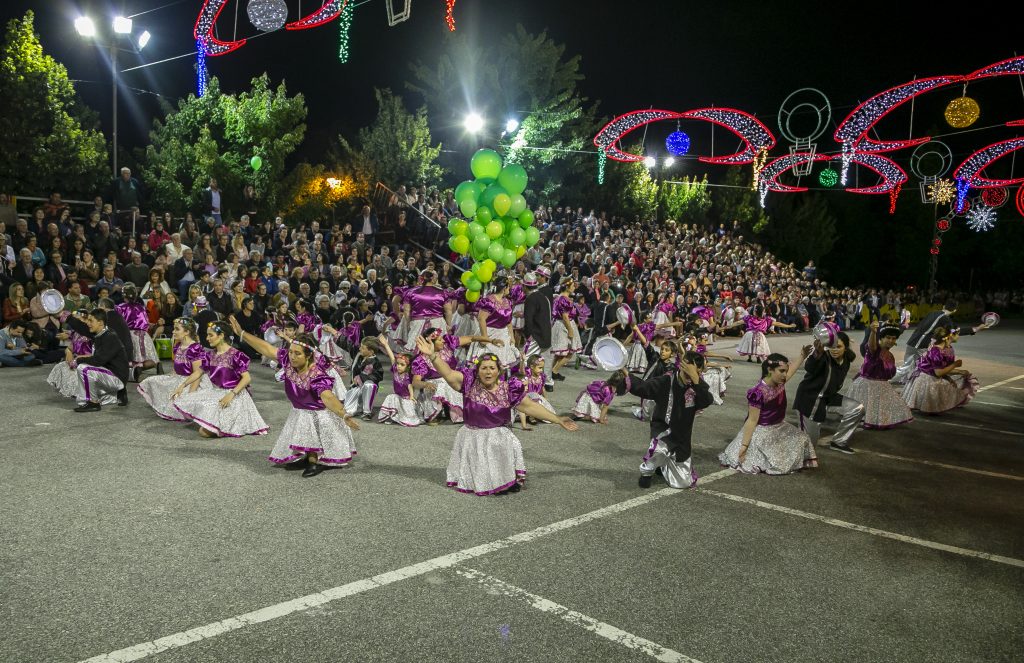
124,537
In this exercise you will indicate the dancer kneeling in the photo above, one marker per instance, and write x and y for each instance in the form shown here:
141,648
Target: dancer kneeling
535,378
226,409
883,407
767,443
595,399
318,433
101,375
487,458
188,362
677,398
939,384
63,376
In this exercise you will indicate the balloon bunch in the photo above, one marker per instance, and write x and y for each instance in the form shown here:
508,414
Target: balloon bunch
500,227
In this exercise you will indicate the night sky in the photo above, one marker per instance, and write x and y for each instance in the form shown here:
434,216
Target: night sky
669,54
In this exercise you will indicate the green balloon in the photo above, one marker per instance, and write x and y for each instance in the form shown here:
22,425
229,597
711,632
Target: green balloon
466,191
520,252
481,242
474,284
495,229
485,275
460,244
461,228
510,224
468,208
502,204
513,178
484,182
256,163
475,268
496,251
452,223
490,193
474,230
485,163
466,276
532,236
509,258
526,219
518,236
477,255
518,205
490,265
483,215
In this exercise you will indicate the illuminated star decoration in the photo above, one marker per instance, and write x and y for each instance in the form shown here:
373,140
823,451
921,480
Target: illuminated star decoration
756,136
893,177
203,30
344,30
973,165
981,218
963,187
602,158
608,137
767,179
201,75
942,192
449,14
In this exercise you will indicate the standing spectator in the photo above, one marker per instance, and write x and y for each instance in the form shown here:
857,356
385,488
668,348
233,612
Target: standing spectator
212,201
8,213
250,203
366,222
54,206
126,192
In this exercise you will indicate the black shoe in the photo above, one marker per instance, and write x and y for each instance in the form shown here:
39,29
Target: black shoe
299,464
313,470
658,471
645,481
549,388
515,488
368,416
841,448
122,397
88,407
557,376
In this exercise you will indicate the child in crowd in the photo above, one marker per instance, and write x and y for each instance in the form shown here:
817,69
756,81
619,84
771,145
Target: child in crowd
534,381
400,407
367,373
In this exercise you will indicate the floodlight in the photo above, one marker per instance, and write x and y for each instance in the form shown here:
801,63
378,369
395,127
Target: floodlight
85,26
122,25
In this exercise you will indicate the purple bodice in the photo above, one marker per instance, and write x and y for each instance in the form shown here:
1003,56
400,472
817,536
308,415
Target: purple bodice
421,365
226,369
80,345
582,313
184,356
701,349
647,329
304,389
563,304
667,308
535,384
770,400
880,365
425,302
400,382
756,324
308,321
499,316
489,409
134,313
600,392
935,359
703,312
517,294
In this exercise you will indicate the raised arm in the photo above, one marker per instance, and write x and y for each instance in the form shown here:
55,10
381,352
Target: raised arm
873,338
387,348
795,366
255,342
453,378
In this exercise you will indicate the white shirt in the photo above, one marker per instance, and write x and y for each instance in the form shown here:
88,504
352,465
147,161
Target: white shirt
367,228
215,200
174,253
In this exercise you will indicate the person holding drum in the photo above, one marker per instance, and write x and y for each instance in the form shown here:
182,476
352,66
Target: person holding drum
918,343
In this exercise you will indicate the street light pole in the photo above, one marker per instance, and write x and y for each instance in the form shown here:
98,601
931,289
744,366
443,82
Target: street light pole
113,76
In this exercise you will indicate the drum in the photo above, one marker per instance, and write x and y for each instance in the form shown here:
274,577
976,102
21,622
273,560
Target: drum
609,354
826,333
53,301
991,319
625,316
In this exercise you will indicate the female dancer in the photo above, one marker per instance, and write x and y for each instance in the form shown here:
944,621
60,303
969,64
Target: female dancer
754,343
565,335
317,434
423,307
435,393
487,459
939,384
766,443
819,393
400,407
188,362
227,409
883,407
143,352
663,313
715,375
494,315
534,371
595,399
63,376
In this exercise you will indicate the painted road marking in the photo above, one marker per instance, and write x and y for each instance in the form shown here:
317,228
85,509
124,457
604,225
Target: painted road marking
606,631
1002,382
304,603
959,468
1009,561
981,428
1019,407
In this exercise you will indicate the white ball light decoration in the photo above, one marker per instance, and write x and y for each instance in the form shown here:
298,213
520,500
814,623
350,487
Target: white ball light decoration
267,15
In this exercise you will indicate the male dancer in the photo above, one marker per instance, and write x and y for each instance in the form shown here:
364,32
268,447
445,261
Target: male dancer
103,374
918,342
537,322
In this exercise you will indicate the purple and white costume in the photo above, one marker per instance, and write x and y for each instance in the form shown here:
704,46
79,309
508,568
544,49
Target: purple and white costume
203,407
776,447
157,389
636,360
715,376
426,309
883,407
933,395
398,408
433,403
311,427
754,342
591,399
63,376
487,458
561,346
499,317
143,349
663,313
535,392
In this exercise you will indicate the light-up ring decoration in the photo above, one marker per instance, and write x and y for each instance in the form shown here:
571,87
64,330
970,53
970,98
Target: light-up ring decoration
1019,200
756,136
203,31
768,176
330,10
804,99
607,138
932,151
969,171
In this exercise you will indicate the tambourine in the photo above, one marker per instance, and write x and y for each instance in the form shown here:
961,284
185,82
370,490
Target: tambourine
990,319
609,354
625,316
826,333
53,301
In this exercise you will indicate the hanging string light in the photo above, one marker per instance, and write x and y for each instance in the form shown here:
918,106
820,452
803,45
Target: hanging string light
449,14
201,74
760,159
894,193
344,30
602,158
963,187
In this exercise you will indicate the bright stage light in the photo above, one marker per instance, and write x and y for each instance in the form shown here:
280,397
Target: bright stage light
122,25
85,26
473,123
669,162
650,162
511,125
144,39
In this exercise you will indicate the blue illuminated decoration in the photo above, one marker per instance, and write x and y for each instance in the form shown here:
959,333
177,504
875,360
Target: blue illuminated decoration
677,143
200,68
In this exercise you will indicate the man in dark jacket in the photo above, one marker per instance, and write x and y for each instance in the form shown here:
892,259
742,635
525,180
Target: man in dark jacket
103,374
537,319
919,341
677,397
824,373
367,372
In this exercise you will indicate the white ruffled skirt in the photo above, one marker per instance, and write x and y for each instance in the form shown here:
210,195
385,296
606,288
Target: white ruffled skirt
432,404
883,407
561,346
143,349
660,318
933,395
540,400
64,379
416,327
716,378
777,449
586,408
398,410
237,419
156,390
508,353
753,344
485,461
636,360
314,431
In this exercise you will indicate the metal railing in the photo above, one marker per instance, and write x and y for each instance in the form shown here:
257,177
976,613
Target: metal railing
421,227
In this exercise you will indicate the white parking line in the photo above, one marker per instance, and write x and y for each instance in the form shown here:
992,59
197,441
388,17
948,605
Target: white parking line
1019,407
606,631
959,468
1002,382
304,603
1009,561
982,428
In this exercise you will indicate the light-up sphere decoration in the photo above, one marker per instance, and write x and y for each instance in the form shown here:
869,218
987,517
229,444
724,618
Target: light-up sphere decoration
677,143
1019,200
267,15
996,197
935,250
828,177
981,218
937,241
942,192
962,112
943,225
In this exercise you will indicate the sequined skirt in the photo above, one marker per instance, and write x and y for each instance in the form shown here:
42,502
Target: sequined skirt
753,344
508,353
416,328
143,349
636,360
398,410
543,402
660,318
883,407
156,390
778,449
485,461
314,431
433,403
237,419
560,344
64,379
933,395
586,408
716,377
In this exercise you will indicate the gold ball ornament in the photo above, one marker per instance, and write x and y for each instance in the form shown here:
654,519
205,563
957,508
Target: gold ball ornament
962,112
